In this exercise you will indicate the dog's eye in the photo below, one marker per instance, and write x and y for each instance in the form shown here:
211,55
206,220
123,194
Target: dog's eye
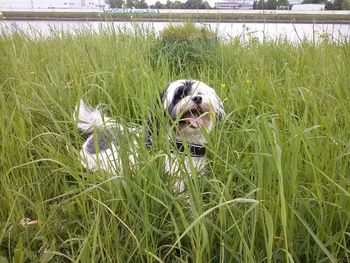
181,93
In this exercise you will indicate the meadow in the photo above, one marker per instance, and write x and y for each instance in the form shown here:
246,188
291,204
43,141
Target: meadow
277,186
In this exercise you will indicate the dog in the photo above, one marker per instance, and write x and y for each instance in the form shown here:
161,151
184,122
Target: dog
191,109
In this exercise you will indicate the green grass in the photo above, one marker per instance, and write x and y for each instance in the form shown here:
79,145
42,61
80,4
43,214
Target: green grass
277,187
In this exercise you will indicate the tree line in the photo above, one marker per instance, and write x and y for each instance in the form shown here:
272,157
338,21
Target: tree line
284,4
189,4
202,4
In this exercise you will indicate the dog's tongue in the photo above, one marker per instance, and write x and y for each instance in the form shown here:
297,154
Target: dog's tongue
195,122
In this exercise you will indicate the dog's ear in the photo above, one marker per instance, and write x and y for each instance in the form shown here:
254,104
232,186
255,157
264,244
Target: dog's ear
220,112
161,97
150,125
162,94
153,122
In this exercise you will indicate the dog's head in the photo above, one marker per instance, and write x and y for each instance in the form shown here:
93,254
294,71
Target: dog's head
193,106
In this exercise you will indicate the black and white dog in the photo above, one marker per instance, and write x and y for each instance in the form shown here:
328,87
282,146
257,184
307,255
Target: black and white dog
192,108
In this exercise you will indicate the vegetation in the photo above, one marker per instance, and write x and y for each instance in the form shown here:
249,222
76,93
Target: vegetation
189,4
267,17
337,5
200,4
271,4
184,47
284,4
276,187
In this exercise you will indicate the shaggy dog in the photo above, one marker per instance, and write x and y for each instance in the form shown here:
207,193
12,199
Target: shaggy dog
191,107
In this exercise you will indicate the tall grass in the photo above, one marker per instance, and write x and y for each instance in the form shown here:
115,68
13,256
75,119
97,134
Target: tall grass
277,187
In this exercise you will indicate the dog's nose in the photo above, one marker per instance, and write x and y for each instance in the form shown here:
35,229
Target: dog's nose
197,99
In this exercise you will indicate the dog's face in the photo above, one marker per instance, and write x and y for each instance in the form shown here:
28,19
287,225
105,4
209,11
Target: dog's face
194,105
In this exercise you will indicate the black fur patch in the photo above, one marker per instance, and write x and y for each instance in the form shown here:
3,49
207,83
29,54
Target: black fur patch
182,91
104,140
153,122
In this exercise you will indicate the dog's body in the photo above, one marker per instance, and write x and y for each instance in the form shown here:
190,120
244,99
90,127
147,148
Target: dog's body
191,107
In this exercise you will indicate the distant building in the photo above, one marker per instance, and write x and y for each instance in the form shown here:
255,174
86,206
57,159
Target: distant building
295,2
52,4
227,4
309,7
235,4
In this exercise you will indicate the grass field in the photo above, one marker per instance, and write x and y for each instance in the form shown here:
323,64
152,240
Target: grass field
277,187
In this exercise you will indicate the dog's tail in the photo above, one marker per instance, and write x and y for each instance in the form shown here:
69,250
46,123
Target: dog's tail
88,118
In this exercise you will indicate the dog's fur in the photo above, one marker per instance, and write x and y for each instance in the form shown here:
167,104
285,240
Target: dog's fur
192,108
